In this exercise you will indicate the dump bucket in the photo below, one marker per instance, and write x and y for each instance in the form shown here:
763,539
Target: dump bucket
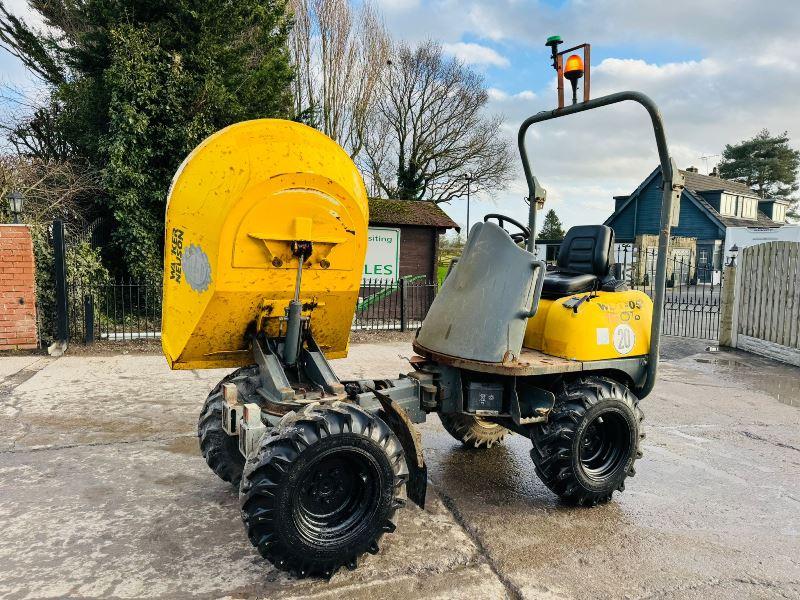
236,206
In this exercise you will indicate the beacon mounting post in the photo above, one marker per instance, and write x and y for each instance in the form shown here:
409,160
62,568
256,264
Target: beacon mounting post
574,68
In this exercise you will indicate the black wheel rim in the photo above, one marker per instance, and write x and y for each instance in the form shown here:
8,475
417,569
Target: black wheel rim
605,445
337,496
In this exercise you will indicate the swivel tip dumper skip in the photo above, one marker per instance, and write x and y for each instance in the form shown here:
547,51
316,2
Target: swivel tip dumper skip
266,233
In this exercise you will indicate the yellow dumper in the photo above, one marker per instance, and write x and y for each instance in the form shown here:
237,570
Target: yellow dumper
266,233
237,207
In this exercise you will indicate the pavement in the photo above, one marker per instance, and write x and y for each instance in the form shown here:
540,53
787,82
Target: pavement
103,494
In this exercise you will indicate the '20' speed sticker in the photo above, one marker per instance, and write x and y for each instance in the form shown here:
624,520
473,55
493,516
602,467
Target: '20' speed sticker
624,338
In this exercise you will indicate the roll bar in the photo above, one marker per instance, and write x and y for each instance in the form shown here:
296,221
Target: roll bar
673,185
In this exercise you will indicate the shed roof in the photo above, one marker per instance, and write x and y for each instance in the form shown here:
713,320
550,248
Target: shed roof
409,212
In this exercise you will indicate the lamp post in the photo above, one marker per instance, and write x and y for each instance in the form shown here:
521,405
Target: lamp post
15,200
469,177
734,250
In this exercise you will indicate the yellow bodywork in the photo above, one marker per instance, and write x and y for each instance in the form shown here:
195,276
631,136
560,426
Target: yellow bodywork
610,325
235,206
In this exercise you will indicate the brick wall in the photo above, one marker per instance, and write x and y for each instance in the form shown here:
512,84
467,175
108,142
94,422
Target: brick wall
17,289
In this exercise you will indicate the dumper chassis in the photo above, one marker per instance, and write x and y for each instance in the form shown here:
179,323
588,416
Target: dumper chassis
322,465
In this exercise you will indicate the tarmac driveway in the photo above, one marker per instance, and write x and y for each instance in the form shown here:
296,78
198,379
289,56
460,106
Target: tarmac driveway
103,494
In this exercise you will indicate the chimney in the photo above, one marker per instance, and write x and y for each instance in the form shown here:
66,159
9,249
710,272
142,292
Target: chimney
691,170
714,172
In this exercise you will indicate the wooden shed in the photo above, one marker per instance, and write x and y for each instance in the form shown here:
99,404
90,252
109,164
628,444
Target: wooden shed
420,224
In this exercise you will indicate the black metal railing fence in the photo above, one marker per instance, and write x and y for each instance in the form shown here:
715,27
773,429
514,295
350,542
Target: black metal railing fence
394,305
124,309
693,291
117,310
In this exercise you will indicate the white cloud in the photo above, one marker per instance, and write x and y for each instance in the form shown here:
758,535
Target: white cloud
498,96
585,159
745,76
398,5
641,71
21,9
475,54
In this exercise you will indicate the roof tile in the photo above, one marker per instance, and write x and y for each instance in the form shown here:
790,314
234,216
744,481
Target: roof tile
706,183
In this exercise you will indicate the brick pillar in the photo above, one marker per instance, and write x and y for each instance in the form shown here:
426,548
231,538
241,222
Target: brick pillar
17,289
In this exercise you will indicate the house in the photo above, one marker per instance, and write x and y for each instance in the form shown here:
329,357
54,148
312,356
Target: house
547,249
709,206
417,224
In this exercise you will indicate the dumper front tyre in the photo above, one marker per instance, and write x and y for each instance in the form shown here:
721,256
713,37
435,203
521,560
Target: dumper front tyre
220,450
322,489
587,448
472,431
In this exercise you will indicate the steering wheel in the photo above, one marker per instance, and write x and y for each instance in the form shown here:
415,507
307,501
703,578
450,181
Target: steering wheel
519,237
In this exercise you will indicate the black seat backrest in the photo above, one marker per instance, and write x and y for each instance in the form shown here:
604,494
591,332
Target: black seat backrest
587,249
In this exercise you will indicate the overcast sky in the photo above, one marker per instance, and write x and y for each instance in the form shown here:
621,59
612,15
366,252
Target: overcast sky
719,70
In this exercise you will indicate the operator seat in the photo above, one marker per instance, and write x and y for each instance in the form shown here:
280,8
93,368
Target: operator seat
584,263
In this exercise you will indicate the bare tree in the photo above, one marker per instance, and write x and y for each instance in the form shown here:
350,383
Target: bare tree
430,126
339,53
29,124
52,189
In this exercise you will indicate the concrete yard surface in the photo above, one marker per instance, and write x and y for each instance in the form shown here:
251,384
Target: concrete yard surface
104,494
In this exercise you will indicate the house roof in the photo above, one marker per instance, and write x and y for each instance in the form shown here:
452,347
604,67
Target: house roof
706,183
696,184
409,212
762,220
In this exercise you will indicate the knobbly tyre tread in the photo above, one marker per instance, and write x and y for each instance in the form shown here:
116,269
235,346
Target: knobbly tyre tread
269,469
220,450
552,450
467,430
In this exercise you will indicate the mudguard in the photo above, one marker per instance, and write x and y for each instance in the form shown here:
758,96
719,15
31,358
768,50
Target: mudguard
398,420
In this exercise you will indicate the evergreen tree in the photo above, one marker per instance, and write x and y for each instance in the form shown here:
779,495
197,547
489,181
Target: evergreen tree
134,86
765,163
552,229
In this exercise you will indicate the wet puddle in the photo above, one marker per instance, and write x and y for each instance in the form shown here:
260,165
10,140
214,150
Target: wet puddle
779,380
184,445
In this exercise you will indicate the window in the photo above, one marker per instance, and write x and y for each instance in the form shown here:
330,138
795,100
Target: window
727,205
748,207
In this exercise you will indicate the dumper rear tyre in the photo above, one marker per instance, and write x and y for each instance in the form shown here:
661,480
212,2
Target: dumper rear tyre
472,431
586,450
322,489
220,450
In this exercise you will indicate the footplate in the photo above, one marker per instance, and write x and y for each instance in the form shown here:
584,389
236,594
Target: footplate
231,409
250,429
